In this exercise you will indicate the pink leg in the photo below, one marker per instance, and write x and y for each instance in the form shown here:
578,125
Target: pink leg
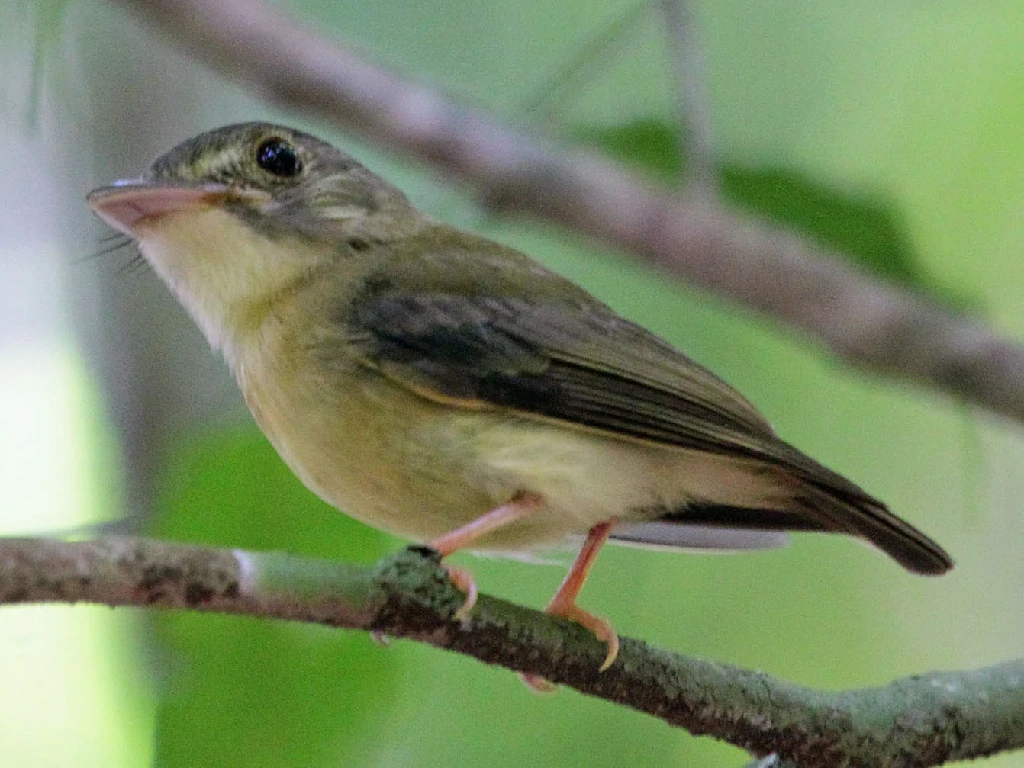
564,602
523,505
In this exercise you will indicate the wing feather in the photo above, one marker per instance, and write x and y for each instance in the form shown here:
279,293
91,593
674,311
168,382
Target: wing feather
586,366
544,348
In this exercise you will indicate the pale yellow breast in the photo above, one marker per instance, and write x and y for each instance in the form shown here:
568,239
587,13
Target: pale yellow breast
363,444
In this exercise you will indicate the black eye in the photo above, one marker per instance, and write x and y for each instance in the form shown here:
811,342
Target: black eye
278,157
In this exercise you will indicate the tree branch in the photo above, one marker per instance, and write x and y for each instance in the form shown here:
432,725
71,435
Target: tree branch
768,268
918,721
583,64
689,67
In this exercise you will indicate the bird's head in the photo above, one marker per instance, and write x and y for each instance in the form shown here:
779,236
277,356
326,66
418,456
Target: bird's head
232,218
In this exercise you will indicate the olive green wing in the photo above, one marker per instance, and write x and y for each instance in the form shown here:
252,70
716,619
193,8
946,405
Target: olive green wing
574,362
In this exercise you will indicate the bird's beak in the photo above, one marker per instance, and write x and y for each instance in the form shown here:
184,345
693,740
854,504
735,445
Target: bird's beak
125,203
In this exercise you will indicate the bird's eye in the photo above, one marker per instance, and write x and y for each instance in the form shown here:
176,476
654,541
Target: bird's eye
278,157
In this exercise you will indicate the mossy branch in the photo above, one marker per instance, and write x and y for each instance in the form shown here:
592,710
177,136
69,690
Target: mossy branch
923,720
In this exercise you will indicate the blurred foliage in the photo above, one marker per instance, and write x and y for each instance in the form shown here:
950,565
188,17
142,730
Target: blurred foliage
44,20
867,230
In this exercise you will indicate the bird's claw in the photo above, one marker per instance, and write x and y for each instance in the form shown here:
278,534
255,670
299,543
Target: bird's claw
464,582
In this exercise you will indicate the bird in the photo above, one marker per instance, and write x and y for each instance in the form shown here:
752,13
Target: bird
443,387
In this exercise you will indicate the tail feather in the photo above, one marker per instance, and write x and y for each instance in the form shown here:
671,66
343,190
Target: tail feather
799,495
836,504
870,519
812,507
698,537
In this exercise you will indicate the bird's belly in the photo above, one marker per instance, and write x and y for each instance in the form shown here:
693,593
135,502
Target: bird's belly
404,464
361,449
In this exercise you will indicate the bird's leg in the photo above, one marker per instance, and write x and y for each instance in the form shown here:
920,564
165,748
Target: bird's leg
522,505
564,602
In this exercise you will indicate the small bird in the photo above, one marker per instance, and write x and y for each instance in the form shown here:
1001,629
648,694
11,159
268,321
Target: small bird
451,390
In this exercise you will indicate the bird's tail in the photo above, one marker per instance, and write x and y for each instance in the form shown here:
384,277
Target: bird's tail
868,518
814,499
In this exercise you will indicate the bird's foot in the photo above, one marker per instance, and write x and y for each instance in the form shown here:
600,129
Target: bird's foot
601,628
463,581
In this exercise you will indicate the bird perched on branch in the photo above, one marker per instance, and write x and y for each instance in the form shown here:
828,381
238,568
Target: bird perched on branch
445,388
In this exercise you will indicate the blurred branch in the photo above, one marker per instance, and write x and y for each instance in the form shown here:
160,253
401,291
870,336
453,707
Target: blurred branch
583,64
696,145
918,721
768,268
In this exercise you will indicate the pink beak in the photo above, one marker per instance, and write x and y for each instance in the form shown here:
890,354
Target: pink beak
126,203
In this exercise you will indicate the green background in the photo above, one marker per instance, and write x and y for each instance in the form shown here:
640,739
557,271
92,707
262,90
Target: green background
890,130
